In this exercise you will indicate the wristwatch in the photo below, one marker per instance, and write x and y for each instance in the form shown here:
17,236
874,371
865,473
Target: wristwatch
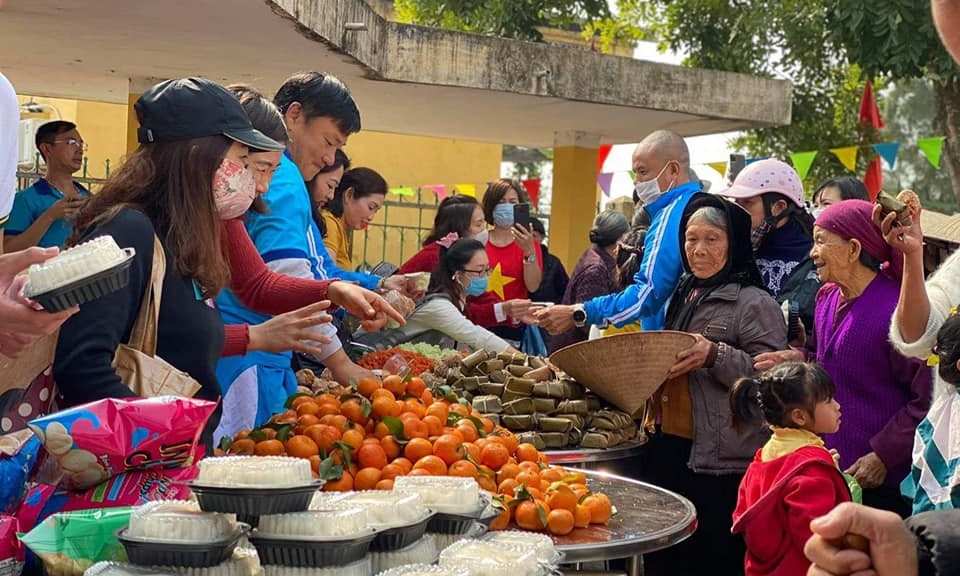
531,258
579,316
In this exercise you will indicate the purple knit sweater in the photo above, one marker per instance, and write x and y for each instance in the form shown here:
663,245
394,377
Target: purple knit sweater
882,394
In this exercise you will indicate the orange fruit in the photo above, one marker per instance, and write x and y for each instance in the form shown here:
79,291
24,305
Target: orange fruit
395,385
536,493
372,456
529,467
385,484
418,448
440,410
527,515
301,447
327,397
487,483
344,484
434,425
448,448
367,386
427,398
415,428
432,464
460,409
420,472
468,430
414,407
328,409
391,471
323,435
306,408
384,406
391,447
371,440
380,430
353,410
270,433
463,469
575,477
562,497
600,508
560,522
301,400
552,475
508,470
502,521
244,446
473,451
416,387
353,438
494,455
404,463
382,392
527,453
529,479
508,486
315,462
269,448
581,516
307,420
367,479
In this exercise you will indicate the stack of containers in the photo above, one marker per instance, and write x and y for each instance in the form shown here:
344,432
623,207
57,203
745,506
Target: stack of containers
462,510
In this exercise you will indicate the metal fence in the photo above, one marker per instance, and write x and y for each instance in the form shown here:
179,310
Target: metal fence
26,178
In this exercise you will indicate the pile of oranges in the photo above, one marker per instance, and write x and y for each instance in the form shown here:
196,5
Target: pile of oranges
363,440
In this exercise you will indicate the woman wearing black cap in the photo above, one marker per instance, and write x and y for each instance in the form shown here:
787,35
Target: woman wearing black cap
188,173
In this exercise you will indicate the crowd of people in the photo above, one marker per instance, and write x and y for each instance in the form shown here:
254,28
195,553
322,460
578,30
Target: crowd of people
805,412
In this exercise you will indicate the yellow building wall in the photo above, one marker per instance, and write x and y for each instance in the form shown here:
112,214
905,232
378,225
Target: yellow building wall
413,162
102,126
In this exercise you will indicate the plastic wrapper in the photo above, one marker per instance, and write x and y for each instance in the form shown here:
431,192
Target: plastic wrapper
18,456
396,364
446,494
68,543
425,570
541,544
243,563
99,440
129,489
489,559
401,304
358,568
384,509
11,554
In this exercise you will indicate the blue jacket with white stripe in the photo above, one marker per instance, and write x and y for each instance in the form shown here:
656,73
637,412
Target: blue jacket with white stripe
646,300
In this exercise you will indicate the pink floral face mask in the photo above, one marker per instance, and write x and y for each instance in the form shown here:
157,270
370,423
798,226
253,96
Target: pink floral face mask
233,189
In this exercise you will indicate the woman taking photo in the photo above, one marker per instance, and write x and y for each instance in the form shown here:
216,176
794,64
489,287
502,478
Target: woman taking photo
355,203
694,449
460,215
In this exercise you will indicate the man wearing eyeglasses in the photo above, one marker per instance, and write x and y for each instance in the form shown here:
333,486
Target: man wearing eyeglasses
43,213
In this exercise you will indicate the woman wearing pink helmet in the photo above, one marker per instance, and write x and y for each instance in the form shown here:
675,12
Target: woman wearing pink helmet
782,234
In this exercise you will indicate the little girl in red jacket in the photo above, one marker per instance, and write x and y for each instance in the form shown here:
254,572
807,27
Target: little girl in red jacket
793,478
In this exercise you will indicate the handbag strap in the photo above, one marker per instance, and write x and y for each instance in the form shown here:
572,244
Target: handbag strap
143,337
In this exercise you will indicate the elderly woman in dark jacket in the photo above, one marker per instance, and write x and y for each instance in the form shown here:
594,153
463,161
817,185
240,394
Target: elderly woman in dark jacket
595,273
693,448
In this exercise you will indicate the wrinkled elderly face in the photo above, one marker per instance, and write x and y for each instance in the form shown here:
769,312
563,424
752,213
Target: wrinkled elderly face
833,255
706,247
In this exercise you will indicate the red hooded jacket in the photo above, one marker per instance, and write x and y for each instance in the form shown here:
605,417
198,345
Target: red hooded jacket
777,501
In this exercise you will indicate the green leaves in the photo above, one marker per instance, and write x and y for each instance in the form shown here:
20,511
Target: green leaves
395,425
330,470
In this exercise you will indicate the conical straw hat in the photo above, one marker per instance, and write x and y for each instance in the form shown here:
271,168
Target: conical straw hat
624,369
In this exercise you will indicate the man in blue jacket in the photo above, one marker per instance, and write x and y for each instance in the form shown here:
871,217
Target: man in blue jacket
661,163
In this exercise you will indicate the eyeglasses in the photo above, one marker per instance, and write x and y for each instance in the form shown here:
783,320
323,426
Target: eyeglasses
79,144
484,272
265,168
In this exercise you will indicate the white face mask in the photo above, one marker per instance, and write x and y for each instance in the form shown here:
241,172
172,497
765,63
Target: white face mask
482,236
816,212
648,191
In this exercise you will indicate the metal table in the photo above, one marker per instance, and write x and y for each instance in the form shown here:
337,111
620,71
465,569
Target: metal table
648,518
579,457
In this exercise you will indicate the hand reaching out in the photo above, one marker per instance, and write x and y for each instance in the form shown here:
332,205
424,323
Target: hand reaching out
370,307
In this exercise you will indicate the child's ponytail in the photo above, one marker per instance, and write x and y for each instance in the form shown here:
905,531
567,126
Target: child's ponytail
745,402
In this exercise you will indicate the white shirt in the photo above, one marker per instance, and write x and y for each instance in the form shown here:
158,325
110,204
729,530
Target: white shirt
441,315
9,128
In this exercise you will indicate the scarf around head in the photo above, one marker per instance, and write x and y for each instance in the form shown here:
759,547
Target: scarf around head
853,220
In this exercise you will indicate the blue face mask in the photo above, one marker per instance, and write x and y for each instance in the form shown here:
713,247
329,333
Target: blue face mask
476,287
503,215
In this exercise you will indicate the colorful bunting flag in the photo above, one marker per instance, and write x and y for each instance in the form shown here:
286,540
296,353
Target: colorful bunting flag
532,187
932,148
403,191
888,151
847,156
720,167
604,180
466,189
602,153
439,189
802,161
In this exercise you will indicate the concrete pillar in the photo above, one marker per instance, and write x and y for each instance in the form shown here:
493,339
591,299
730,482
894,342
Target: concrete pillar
576,195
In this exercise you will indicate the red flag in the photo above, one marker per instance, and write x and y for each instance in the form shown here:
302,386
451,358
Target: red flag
602,153
533,190
870,117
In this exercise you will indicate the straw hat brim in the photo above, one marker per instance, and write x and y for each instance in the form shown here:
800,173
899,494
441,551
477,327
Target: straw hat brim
940,227
624,369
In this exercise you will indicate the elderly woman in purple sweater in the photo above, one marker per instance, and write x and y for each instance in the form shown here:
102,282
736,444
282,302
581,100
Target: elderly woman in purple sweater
883,395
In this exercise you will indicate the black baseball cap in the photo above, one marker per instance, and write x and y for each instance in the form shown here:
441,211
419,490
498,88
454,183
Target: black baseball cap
186,108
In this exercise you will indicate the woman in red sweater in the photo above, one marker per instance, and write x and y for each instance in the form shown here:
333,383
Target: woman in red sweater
793,478
515,260
457,214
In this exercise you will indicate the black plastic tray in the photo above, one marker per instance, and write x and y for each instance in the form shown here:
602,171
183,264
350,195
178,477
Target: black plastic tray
443,523
252,502
400,537
87,289
277,551
184,554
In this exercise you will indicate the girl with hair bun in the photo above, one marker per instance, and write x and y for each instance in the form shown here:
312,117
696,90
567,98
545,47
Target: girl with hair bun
793,478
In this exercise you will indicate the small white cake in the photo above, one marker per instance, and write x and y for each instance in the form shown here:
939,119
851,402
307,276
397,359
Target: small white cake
385,509
315,524
448,494
81,261
541,544
358,568
489,559
254,472
425,570
423,551
178,521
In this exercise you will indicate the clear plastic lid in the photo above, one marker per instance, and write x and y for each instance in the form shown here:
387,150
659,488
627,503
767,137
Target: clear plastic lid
316,524
423,551
541,544
254,472
358,568
449,494
79,262
387,509
425,570
489,559
178,521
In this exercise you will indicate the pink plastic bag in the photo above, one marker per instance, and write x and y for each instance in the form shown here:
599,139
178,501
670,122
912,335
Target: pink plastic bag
97,441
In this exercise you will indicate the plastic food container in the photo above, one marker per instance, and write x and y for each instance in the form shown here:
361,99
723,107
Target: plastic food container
489,559
444,494
420,279
178,521
81,274
299,552
254,472
202,554
444,541
243,563
358,568
449,523
387,509
541,544
316,524
425,570
423,551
